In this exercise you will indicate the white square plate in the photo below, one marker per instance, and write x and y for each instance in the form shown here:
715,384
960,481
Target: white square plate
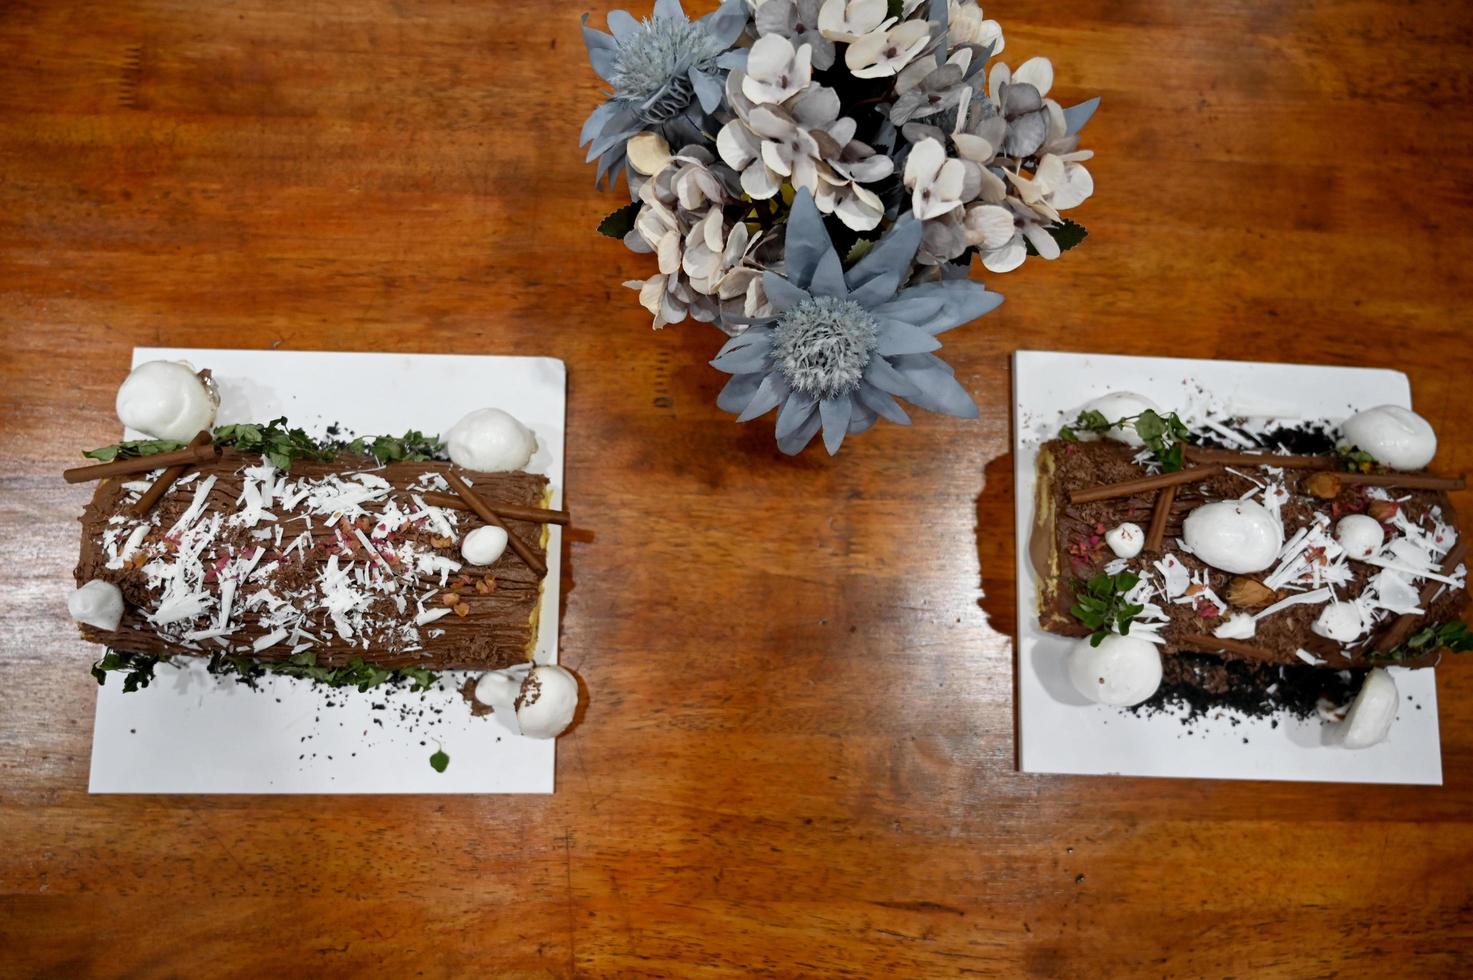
189,732
1058,730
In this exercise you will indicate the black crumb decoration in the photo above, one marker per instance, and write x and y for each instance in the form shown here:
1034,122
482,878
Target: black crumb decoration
1195,686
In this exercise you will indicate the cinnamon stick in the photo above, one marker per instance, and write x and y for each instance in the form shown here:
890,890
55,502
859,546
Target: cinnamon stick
142,464
1228,457
485,513
1143,484
1408,481
1159,515
166,480
1401,627
513,512
1216,644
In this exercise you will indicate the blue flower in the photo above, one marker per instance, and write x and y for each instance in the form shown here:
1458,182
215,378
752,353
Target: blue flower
666,74
843,346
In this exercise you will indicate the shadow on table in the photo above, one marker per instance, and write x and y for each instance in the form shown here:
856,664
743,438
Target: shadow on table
996,549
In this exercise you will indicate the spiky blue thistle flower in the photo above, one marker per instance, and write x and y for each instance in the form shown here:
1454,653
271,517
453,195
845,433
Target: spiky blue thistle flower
843,346
666,74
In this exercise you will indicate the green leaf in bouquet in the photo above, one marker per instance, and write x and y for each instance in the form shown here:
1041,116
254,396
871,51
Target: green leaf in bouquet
621,222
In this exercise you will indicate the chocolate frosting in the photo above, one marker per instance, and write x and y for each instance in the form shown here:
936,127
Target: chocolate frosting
1067,545
492,623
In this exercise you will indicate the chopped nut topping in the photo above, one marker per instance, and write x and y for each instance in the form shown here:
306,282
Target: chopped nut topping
449,598
1247,593
1324,485
440,542
1383,510
462,609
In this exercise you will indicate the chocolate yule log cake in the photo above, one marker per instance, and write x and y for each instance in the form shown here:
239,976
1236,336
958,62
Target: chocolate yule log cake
1155,545
348,558
260,550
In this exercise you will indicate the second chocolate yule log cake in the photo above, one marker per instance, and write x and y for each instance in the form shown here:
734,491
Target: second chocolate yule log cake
1151,543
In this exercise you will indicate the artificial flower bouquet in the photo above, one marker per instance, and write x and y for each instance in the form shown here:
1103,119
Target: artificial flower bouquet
817,177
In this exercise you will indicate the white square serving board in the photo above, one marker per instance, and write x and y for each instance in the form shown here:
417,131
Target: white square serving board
1058,730
189,732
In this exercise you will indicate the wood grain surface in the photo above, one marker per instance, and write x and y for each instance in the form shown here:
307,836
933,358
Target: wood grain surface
798,758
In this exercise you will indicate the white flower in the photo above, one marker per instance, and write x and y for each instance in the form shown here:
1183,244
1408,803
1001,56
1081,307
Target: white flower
1065,181
849,20
741,149
767,144
1059,183
775,70
968,27
885,53
989,227
806,143
936,182
1005,253
648,152
714,256
694,184
858,207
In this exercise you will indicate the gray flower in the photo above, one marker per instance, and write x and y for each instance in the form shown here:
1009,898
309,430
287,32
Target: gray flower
936,92
796,20
1022,107
667,74
844,345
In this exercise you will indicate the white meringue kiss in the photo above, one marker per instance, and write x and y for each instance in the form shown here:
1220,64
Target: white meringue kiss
1360,535
1126,540
167,400
1372,712
1238,536
1397,437
483,545
547,702
98,604
1121,671
490,441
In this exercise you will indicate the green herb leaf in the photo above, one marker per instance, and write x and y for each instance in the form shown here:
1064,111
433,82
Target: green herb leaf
439,760
1165,437
1355,460
139,667
129,450
1150,426
273,440
421,677
1453,636
412,446
1100,605
621,222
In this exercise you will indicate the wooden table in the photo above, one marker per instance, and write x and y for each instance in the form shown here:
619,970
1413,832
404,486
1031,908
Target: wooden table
798,758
